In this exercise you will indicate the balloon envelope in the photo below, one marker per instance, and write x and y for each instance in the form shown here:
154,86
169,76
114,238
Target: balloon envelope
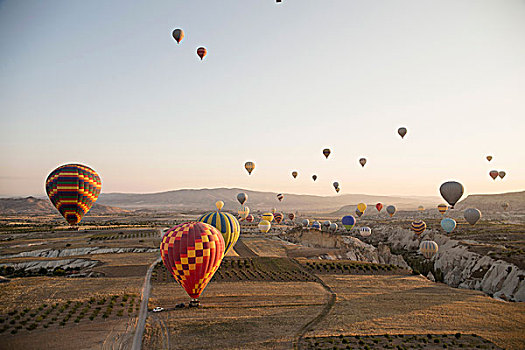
291,216
73,189
326,152
502,174
451,191
337,189
219,205
365,231
442,208
379,206
243,212
201,52
264,226
505,205
402,132
249,166
348,222
280,197
448,224
361,207
421,208
278,217
178,35
250,218
418,226
316,225
333,227
391,210
294,174
306,222
242,197
326,224
358,213
489,158
314,177
192,252
428,249
493,174
227,225
472,215
335,184
362,161
267,216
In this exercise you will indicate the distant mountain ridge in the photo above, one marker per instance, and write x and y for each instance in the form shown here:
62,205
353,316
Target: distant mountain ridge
204,199
492,202
37,206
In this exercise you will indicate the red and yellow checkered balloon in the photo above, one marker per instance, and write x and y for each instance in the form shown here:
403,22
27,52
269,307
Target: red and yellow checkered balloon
192,252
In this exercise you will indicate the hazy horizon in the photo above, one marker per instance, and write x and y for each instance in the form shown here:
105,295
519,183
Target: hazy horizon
105,84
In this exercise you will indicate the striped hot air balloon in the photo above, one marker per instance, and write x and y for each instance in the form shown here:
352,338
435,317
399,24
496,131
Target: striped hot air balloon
264,226
365,231
73,189
418,226
326,152
267,216
280,197
226,223
243,212
442,208
278,217
192,253
428,249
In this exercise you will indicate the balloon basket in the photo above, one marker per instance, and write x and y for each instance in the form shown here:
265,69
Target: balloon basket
194,303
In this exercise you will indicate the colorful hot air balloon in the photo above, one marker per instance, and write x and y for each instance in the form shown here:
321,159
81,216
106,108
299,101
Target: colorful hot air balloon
243,212
365,231
178,35
316,225
264,226
361,207
494,174
502,174
278,217
337,189
428,249
242,197
326,224
451,191
249,166
333,227
489,158
358,212
362,161
192,252
418,226
448,224
391,210
314,177
250,218
73,189
442,208
280,197
505,205
472,215
379,206
219,205
227,225
326,152
273,210
306,222
291,216
421,208
348,222
201,52
294,174
267,216
402,132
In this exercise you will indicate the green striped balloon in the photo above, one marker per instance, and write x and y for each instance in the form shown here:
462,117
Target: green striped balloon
227,224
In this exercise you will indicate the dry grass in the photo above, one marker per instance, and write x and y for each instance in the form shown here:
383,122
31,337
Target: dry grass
266,247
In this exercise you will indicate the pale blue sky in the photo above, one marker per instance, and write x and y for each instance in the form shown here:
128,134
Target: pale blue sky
104,84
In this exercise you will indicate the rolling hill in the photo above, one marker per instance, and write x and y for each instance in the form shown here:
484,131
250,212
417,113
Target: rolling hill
36,206
492,202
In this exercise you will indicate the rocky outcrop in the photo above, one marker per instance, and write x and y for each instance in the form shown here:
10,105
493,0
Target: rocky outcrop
50,265
461,267
345,247
60,253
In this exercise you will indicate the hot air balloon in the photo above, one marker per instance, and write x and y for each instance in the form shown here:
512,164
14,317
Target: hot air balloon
362,161
348,222
242,197
273,210
402,132
451,191
219,205
502,174
489,158
73,189
243,212
316,225
201,52
280,197
291,216
326,152
333,227
249,166
472,215
192,252
358,212
267,216
379,206
250,218
336,184
362,207
278,217
442,208
294,174
505,205
337,189
178,35
418,226
421,208
448,224
314,177
391,210
428,249
365,231
494,174
227,225
326,224
264,226
306,222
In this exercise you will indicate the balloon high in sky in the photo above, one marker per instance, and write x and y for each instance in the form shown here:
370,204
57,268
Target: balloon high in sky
123,97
